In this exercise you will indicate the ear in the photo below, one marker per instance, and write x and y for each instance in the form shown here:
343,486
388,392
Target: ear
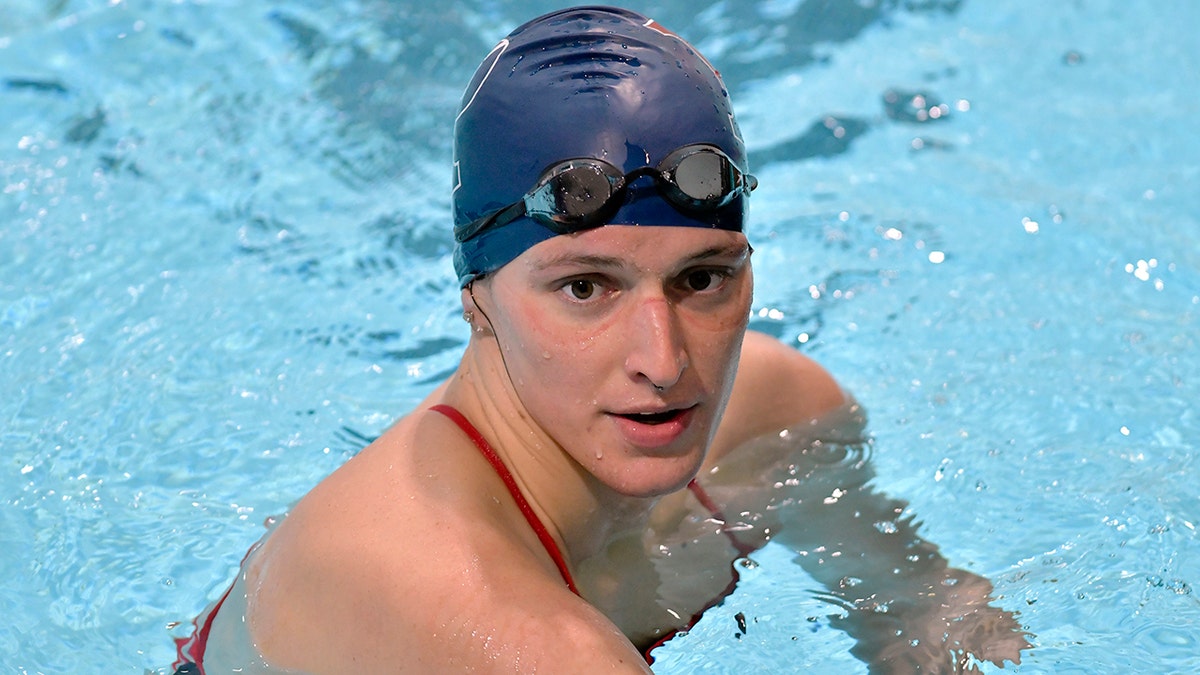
472,314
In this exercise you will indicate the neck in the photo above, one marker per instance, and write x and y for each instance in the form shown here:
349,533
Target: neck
581,513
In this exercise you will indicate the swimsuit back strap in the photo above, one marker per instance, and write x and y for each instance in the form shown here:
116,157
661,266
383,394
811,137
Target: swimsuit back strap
707,502
743,550
490,455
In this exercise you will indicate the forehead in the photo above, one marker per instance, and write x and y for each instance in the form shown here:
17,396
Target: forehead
634,247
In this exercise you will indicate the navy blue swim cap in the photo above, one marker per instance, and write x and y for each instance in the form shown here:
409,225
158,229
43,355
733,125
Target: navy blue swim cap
587,82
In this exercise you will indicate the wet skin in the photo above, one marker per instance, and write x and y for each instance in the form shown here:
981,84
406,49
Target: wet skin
622,344
606,369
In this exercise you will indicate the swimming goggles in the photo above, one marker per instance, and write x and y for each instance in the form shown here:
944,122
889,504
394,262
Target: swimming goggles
579,194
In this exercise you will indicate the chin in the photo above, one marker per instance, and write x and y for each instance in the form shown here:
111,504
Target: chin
648,478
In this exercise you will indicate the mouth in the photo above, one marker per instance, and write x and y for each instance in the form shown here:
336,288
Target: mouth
655,418
656,428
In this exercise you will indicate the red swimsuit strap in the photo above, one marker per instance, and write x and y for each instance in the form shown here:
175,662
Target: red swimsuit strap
490,455
743,550
190,650
707,502
552,548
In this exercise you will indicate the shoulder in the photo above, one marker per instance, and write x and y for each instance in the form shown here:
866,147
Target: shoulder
765,360
776,387
399,561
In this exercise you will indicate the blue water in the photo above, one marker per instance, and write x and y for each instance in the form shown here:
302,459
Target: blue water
224,262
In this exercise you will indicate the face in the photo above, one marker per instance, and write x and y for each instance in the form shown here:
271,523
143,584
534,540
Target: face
622,343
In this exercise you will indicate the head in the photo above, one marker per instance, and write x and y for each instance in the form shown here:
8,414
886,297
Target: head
600,192
587,83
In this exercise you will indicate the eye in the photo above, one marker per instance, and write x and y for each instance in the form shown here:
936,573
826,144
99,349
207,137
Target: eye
701,280
581,289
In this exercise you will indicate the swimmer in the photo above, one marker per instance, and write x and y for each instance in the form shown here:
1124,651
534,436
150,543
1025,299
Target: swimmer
557,505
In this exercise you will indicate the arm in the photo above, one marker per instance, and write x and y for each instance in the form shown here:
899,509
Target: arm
358,611
388,569
904,604
809,490
776,387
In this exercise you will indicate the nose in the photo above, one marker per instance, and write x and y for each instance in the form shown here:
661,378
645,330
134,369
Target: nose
657,353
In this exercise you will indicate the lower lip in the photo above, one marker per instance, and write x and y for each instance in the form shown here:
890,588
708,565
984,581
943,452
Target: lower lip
652,436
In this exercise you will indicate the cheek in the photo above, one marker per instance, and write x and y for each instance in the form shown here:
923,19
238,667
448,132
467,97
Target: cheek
719,338
723,353
729,314
725,324
542,351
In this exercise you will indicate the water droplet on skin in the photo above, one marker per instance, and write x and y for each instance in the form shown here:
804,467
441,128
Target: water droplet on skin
599,453
546,355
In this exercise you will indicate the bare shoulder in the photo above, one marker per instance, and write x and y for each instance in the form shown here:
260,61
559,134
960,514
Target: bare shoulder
399,561
776,387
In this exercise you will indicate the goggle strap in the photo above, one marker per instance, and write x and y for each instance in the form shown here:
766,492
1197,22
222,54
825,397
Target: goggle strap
498,218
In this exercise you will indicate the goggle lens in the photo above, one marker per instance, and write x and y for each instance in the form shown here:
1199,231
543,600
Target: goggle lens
572,193
703,177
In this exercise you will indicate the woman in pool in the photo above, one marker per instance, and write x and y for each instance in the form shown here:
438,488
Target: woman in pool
546,509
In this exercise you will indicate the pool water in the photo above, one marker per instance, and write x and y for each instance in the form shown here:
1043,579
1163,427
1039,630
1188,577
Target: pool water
224,264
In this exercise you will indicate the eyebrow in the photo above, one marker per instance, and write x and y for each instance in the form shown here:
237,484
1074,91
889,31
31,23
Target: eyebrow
617,262
732,251
584,260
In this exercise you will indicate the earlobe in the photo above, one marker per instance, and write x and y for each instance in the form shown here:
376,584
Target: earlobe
473,314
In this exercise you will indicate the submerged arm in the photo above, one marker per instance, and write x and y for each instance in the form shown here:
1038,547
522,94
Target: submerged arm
901,601
808,488
904,604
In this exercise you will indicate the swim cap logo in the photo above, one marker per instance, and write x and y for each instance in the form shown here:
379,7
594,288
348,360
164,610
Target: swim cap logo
654,25
666,32
494,56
